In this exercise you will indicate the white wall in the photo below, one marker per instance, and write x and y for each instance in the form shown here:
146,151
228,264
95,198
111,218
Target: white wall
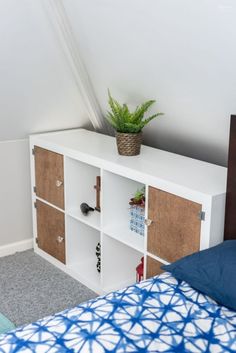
181,53
37,93
15,219
37,90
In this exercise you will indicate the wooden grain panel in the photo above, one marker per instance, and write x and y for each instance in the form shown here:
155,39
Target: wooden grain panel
49,170
175,230
153,267
230,208
50,225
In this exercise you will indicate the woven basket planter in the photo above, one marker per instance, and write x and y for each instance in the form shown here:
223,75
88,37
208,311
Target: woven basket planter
129,144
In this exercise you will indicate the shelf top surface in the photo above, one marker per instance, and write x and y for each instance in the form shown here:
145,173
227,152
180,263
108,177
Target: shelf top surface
152,163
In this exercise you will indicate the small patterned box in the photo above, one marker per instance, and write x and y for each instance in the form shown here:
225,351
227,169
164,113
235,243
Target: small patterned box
137,219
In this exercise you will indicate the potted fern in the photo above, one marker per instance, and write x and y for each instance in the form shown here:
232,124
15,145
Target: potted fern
128,125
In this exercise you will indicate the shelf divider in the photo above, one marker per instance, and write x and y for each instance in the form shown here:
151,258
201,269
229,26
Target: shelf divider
92,219
122,234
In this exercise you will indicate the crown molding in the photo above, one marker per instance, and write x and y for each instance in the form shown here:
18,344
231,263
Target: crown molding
57,16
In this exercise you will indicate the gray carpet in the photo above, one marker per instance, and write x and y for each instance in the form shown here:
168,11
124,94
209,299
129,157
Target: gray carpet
31,288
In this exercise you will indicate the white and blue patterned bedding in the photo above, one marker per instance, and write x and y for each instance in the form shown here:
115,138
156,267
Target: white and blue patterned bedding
156,315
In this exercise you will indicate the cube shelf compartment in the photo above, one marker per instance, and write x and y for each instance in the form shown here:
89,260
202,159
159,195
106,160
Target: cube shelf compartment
119,262
117,192
81,248
80,179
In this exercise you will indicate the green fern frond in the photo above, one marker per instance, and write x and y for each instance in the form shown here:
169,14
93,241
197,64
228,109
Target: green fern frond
123,120
141,110
146,121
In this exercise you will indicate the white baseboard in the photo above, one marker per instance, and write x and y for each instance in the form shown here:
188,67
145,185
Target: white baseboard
16,247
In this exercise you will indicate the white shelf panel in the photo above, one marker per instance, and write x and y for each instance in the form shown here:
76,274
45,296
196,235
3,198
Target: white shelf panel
93,219
125,236
159,168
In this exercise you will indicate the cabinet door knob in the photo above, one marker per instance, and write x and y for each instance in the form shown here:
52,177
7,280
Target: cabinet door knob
60,239
148,222
59,183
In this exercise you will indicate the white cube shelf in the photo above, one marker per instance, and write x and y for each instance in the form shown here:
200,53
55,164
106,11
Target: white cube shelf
87,155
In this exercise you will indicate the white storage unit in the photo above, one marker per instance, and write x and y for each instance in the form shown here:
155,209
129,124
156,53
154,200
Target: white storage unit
86,155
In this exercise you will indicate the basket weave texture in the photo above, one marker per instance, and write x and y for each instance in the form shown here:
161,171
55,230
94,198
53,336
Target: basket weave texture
128,144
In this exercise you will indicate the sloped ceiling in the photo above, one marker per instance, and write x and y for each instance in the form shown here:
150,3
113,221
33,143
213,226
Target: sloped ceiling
37,89
181,53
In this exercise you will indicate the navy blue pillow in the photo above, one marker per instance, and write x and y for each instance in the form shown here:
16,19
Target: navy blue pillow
211,271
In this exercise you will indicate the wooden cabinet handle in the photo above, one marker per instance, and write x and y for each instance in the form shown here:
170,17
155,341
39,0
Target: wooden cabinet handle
59,183
60,239
148,222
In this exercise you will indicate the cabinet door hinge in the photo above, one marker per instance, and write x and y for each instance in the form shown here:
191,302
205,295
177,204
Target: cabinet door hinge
36,240
202,216
35,189
33,151
35,204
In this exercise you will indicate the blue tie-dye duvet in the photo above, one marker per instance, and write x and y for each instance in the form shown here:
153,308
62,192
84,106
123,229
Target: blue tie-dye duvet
157,315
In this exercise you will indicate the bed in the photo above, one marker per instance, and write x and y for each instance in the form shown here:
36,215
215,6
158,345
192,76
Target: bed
161,314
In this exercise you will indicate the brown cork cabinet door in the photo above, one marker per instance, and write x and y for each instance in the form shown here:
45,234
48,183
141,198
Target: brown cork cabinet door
153,267
49,176
176,225
51,230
